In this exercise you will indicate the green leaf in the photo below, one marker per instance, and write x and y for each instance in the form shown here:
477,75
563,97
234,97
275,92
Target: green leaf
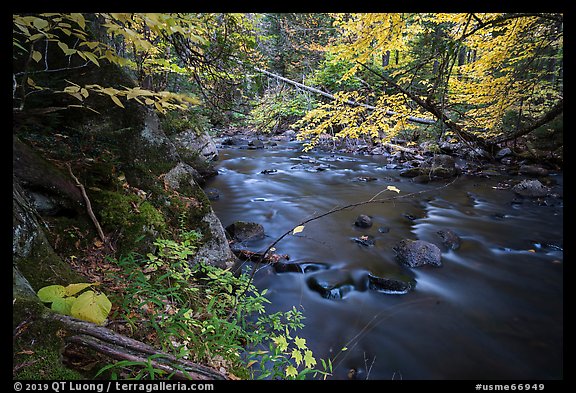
40,23
291,371
36,36
309,359
51,292
297,356
91,307
281,342
300,342
92,58
79,18
63,305
73,289
37,56
63,46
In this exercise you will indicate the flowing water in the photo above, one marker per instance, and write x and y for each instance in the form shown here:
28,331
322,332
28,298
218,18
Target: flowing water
494,310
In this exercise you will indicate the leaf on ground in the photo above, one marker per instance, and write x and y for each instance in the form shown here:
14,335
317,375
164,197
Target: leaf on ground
392,188
63,305
51,292
73,289
91,307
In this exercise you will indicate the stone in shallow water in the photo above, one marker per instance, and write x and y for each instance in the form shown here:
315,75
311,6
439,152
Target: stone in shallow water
450,239
299,267
366,241
363,221
387,285
415,253
531,189
245,231
332,284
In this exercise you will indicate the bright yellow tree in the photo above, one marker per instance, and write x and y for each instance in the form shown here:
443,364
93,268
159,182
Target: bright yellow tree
472,74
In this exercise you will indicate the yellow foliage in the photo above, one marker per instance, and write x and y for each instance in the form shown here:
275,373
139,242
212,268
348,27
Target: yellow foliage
500,79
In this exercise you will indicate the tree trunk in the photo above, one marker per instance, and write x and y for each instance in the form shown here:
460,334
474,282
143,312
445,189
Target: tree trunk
331,96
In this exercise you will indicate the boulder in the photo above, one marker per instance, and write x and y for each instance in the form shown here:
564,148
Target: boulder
503,153
256,144
450,239
533,170
416,253
363,221
242,231
196,142
387,285
531,189
443,166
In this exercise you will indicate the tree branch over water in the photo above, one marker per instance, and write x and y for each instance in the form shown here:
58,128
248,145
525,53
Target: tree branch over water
264,255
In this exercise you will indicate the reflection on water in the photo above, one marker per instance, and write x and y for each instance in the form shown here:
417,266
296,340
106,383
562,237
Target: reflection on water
494,310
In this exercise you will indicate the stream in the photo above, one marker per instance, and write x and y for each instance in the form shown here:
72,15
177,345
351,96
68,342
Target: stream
493,310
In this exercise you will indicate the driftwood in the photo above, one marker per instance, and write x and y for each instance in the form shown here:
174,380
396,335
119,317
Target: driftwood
119,347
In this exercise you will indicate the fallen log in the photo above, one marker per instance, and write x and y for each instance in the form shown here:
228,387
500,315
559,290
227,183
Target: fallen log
119,347
412,119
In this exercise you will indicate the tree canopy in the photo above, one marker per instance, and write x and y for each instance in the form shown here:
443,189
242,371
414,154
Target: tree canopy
481,77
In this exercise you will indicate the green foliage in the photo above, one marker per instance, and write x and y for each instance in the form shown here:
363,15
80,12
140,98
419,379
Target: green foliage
176,121
135,216
329,75
277,109
283,356
138,370
88,306
202,312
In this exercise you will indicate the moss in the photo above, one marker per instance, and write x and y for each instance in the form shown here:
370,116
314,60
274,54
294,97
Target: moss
134,218
38,344
43,267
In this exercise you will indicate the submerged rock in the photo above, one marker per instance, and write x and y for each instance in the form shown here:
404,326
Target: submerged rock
450,239
299,267
332,284
387,285
366,241
415,253
533,170
363,221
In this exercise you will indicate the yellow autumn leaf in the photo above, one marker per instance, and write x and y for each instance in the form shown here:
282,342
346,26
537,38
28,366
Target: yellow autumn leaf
36,56
91,307
298,229
117,101
392,188
73,289
51,292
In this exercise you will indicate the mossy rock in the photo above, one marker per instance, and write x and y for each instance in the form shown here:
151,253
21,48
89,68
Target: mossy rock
135,219
38,345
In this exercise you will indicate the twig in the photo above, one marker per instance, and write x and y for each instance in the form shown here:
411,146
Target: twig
88,204
262,256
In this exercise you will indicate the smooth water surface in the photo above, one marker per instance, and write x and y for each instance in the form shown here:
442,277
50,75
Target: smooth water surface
494,310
